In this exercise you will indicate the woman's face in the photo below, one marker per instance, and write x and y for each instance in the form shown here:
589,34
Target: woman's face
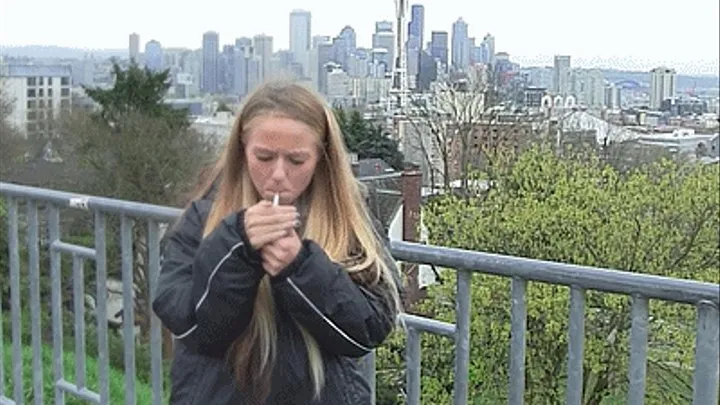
281,156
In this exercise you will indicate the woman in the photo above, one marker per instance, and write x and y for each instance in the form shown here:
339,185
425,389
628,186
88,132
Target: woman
273,303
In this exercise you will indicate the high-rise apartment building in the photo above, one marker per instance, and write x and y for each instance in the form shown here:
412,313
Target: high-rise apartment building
300,37
154,56
439,47
460,45
210,52
663,85
562,75
39,93
263,46
134,47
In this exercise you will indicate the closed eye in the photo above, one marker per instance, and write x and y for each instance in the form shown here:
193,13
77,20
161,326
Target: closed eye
264,158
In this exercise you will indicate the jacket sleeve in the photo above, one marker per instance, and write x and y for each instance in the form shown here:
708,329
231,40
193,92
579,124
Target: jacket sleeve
207,287
345,317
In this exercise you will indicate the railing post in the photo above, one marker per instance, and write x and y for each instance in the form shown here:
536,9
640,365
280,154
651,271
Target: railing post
101,308
15,308
576,343
413,360
56,302
462,338
153,271
35,310
638,350
2,347
126,248
707,355
78,283
518,326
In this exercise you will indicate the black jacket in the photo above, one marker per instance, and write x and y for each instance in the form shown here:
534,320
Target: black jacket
205,297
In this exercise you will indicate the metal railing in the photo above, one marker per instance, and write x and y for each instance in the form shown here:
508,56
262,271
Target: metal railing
641,287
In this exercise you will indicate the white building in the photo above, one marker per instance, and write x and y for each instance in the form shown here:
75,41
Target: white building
38,92
662,86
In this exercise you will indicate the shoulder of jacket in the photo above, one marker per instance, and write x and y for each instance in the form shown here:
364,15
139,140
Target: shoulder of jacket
193,217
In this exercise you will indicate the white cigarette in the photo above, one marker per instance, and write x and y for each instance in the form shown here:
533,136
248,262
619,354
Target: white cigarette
276,200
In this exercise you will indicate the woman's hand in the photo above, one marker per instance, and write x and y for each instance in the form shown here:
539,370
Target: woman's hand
280,253
265,223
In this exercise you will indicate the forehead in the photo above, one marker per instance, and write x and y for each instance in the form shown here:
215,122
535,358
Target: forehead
277,132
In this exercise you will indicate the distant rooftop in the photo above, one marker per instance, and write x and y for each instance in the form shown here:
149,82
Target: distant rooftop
29,70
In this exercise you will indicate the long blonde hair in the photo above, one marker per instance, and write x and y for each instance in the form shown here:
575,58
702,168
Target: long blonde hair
337,220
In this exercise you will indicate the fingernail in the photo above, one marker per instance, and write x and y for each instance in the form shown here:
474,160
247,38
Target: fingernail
297,223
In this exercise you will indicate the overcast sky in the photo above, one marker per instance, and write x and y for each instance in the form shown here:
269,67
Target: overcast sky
629,34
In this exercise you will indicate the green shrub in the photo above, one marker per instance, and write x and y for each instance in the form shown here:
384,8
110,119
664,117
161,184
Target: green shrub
659,219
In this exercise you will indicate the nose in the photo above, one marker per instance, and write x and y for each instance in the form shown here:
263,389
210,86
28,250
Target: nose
278,171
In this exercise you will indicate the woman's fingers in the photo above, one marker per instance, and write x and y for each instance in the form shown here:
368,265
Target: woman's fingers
262,239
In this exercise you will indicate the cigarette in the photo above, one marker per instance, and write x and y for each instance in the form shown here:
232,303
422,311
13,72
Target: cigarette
276,200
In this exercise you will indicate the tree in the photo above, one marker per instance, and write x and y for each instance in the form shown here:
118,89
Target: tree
457,129
661,218
12,143
137,90
139,149
368,140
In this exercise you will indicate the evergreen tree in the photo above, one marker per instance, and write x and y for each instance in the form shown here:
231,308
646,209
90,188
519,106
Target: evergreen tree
368,140
137,90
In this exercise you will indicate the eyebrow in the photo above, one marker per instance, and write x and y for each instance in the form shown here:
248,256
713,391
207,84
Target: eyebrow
294,153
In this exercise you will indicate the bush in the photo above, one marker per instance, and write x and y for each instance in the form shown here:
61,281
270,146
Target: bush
659,219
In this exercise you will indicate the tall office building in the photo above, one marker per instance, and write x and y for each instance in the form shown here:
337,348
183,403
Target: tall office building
416,28
439,47
460,45
487,50
300,33
154,56
663,85
210,51
134,46
561,75
263,46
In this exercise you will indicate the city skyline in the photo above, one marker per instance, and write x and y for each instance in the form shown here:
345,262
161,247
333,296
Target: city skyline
690,47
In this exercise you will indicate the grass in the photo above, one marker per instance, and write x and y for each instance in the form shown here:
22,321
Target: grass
116,378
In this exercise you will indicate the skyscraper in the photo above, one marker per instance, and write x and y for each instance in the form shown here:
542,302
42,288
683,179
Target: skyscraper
134,47
662,86
561,75
439,46
416,28
154,56
300,33
211,48
460,45
487,50
263,46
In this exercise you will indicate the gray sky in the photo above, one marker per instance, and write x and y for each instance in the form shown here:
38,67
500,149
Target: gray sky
630,34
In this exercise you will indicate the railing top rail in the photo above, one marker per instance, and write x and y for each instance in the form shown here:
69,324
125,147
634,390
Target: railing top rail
110,205
592,278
